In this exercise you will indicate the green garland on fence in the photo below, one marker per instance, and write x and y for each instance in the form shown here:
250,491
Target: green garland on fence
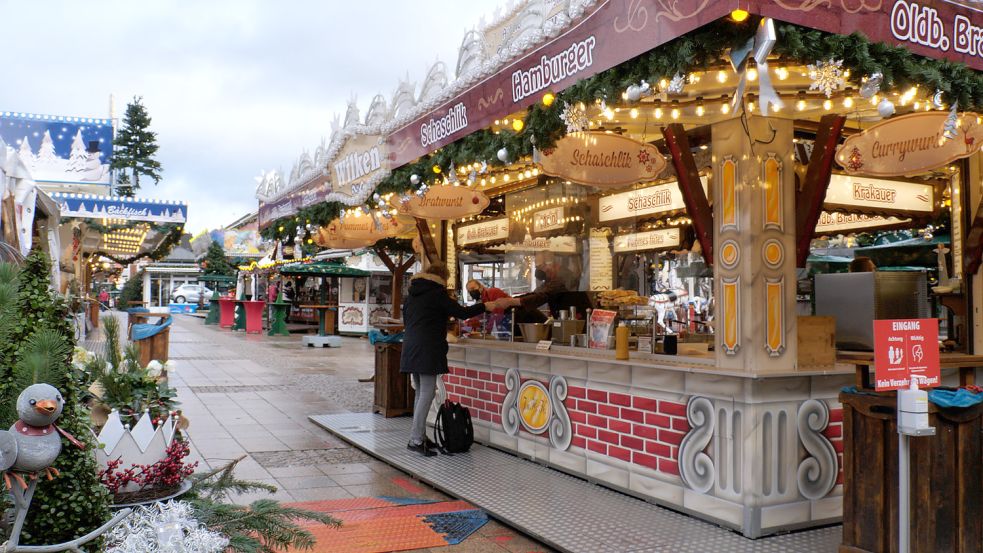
701,50
95,225
173,238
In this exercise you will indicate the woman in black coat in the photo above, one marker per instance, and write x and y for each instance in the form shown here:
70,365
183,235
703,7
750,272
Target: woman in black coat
425,314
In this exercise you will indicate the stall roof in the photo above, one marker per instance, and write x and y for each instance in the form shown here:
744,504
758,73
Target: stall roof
320,268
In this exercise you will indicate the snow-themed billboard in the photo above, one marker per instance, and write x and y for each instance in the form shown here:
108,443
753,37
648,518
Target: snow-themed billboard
88,206
61,149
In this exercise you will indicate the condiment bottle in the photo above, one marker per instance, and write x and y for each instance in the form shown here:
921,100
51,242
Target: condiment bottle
621,342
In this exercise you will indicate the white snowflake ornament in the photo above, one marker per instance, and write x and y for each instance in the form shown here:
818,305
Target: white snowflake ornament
827,76
674,85
575,118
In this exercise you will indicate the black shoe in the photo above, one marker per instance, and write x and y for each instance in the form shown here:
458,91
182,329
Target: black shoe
424,449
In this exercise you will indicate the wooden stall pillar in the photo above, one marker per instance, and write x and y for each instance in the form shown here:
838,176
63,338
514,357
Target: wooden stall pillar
754,244
398,269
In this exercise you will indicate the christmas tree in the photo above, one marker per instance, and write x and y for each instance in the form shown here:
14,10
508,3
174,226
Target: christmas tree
215,262
77,156
34,323
25,152
134,150
856,159
46,153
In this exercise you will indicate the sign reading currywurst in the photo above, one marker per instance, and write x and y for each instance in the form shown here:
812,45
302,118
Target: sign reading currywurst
910,144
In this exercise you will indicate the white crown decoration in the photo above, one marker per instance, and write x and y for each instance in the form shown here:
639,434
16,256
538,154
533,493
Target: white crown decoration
141,445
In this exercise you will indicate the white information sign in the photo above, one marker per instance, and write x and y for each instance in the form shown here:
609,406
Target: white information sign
493,230
651,240
848,192
641,202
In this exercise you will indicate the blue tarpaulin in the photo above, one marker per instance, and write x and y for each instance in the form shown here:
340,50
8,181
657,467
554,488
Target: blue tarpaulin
376,336
954,398
148,330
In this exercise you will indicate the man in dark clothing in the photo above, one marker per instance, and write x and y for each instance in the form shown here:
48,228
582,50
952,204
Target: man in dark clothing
425,313
551,284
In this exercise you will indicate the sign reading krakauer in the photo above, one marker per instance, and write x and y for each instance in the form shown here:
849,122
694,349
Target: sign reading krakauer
446,203
642,202
602,160
493,230
847,193
651,240
910,144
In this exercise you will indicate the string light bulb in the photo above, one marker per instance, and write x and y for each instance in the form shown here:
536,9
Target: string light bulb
739,15
436,168
848,101
633,113
721,76
548,99
518,125
725,105
827,104
800,104
781,73
658,109
675,109
700,110
752,74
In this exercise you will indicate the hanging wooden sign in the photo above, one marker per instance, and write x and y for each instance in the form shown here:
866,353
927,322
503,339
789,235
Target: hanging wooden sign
492,230
361,231
910,144
602,160
831,222
556,244
445,203
643,202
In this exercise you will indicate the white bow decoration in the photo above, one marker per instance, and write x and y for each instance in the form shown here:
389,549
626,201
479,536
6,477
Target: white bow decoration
758,48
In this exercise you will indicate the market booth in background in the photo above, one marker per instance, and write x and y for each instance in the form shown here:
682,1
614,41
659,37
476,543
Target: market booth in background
656,175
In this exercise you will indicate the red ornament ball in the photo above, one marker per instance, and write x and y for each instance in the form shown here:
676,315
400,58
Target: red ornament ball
475,200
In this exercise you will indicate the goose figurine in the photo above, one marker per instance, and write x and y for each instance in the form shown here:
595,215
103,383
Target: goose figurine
33,442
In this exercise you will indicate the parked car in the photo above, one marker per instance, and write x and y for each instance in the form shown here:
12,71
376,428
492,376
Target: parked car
190,293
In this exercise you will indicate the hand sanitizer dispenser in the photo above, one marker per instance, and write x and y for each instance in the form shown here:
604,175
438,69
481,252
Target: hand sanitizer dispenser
913,410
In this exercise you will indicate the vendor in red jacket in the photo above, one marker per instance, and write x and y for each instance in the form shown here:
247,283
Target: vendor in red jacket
486,294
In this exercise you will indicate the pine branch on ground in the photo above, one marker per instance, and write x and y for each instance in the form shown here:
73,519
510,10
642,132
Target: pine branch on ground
264,526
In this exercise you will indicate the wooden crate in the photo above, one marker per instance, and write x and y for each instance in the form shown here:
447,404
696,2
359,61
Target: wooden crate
816,342
946,478
393,393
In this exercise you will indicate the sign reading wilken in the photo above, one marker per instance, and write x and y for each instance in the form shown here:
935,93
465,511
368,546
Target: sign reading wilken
358,167
360,232
910,144
602,160
445,203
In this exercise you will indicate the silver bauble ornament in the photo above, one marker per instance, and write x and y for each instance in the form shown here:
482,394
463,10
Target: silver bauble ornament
871,86
885,108
503,155
937,101
414,179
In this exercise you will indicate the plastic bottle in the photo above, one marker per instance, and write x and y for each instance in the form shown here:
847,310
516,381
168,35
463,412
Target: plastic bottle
621,342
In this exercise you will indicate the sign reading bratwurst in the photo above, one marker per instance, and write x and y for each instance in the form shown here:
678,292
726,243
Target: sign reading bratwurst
602,160
445,203
910,144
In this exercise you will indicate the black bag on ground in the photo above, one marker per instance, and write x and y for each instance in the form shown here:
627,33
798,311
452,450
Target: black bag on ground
453,431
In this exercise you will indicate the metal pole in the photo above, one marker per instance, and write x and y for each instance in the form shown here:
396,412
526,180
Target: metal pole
904,494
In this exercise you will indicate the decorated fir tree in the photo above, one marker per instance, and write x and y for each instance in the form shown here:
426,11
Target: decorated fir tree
36,334
135,149
215,262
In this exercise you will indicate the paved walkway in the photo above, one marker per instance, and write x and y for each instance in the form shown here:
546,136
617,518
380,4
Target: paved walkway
250,396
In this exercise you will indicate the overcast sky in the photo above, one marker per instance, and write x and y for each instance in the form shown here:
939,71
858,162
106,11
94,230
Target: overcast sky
233,86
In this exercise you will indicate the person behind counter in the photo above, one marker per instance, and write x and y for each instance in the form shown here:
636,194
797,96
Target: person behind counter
481,293
551,284
425,313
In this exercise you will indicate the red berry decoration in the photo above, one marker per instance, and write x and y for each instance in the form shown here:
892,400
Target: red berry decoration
475,200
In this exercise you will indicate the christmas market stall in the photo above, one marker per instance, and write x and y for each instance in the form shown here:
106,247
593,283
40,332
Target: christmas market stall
650,182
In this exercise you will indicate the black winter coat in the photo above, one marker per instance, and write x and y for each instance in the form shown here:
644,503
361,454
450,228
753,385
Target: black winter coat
425,313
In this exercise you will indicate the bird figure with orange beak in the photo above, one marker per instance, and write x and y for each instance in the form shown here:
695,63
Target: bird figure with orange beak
34,441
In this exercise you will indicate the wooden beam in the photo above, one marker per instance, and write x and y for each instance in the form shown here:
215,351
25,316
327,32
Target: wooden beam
809,200
429,246
398,269
973,249
697,206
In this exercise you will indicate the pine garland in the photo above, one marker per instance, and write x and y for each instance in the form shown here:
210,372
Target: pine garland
703,49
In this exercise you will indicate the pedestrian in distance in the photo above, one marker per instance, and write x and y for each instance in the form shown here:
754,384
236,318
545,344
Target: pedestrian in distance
427,308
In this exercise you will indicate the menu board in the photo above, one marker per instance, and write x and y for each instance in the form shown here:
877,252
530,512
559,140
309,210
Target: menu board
601,262
601,321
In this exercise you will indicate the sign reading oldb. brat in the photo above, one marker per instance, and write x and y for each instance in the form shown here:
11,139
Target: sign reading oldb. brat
602,160
910,144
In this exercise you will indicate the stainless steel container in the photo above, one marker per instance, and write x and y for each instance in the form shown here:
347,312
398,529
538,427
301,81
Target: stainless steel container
534,332
564,329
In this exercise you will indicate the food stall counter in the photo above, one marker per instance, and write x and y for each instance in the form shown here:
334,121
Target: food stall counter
721,444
